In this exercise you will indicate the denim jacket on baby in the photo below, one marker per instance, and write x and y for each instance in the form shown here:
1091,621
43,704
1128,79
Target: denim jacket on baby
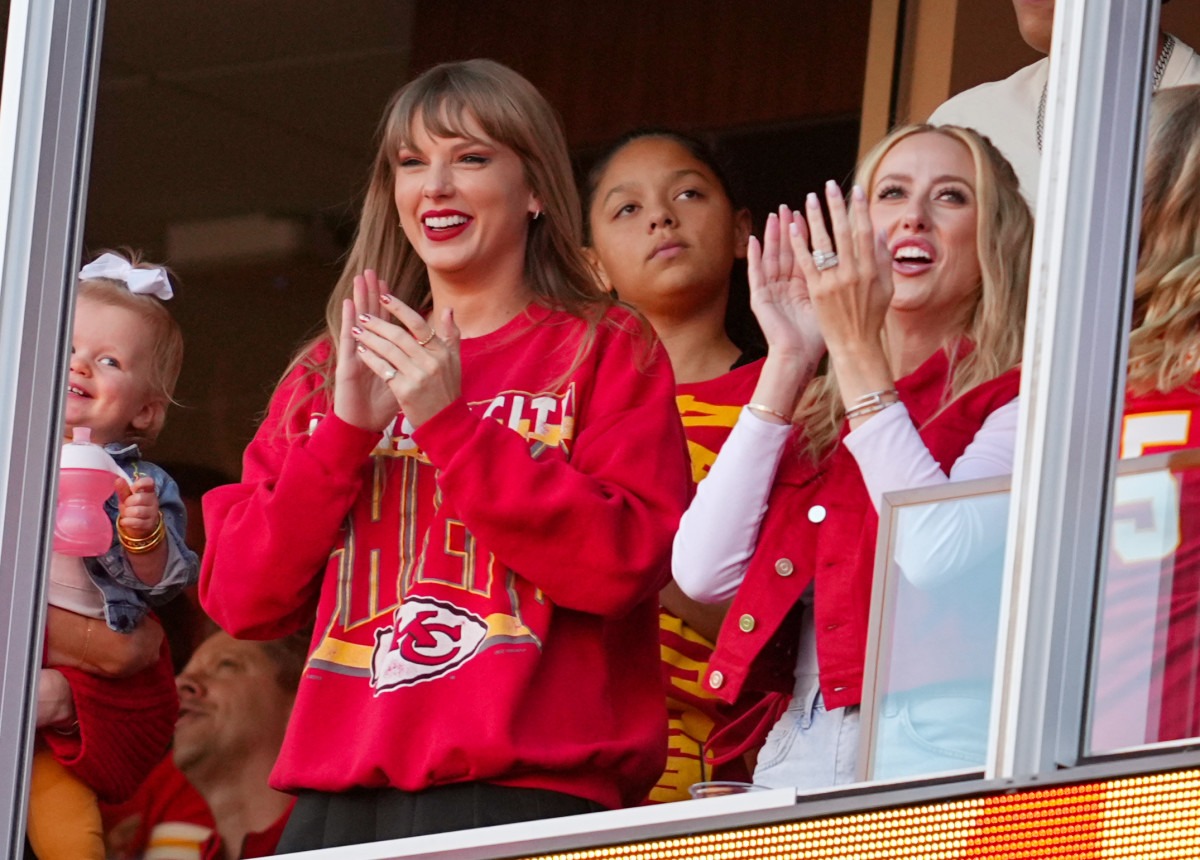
127,598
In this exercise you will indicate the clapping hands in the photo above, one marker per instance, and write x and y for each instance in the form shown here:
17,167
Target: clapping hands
384,368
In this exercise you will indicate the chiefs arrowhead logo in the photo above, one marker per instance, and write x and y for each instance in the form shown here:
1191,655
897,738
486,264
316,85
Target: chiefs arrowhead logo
427,639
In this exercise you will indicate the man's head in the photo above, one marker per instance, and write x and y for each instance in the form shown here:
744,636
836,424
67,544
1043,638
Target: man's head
235,699
1036,20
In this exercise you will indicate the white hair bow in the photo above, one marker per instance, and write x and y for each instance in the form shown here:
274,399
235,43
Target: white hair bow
152,282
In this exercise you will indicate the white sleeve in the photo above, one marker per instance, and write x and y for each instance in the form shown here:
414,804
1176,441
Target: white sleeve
939,541
718,533
891,455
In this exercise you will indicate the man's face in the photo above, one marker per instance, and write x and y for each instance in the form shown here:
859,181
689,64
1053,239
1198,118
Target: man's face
230,704
1036,20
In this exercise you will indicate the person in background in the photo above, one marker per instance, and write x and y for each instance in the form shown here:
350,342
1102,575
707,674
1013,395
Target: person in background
666,237
472,482
211,796
919,299
1148,668
1012,112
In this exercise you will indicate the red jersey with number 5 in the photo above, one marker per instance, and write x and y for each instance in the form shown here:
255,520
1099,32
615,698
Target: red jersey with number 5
1146,683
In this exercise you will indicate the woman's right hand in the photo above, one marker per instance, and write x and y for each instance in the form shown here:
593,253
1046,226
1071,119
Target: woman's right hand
779,290
780,300
360,397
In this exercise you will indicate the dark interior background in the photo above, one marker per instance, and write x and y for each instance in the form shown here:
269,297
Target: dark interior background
233,137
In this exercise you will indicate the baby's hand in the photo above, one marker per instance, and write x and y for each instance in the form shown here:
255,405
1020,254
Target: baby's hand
138,517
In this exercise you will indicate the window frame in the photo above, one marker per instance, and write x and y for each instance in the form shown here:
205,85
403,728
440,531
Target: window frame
50,72
1073,383
1077,333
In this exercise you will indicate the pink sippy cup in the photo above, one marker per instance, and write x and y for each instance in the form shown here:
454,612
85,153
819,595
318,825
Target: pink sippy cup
85,481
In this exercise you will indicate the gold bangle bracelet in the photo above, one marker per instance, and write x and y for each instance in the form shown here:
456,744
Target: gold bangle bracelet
137,546
767,410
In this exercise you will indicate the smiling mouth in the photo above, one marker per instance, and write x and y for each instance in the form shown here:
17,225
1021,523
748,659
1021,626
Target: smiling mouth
445,222
77,391
913,255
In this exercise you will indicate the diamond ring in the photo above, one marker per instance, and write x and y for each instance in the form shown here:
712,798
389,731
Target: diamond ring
824,260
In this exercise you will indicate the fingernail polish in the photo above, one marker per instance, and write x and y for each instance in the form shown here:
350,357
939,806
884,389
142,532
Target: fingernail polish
385,298
772,215
812,201
833,188
794,228
355,330
360,347
858,193
364,317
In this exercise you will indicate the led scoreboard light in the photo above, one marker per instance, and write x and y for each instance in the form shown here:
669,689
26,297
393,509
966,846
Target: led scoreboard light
1154,816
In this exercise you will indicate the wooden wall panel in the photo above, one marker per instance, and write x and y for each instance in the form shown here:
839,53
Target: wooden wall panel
614,64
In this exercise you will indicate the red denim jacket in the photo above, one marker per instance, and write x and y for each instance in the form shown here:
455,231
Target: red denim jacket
820,524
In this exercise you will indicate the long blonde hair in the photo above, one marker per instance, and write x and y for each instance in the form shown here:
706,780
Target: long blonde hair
513,113
1164,348
1004,237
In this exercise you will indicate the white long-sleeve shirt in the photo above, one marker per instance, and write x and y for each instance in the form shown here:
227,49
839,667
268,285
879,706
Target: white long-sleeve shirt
718,533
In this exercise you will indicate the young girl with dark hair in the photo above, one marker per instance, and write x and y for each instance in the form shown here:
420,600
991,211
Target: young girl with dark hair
666,237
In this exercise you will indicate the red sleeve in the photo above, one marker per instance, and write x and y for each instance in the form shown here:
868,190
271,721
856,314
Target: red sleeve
269,537
125,727
593,532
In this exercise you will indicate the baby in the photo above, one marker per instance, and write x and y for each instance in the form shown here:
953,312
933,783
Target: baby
125,358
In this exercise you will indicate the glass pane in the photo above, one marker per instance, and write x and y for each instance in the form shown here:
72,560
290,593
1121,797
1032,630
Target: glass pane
936,612
1147,651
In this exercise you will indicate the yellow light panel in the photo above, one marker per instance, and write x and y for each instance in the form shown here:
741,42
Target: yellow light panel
1150,816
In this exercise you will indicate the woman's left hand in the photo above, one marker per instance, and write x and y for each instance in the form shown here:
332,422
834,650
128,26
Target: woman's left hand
851,292
419,364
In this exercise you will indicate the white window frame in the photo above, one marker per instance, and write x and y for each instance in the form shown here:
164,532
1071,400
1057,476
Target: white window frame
50,69
1076,341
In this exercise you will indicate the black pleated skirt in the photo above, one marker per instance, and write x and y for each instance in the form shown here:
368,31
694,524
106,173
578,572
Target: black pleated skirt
325,820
